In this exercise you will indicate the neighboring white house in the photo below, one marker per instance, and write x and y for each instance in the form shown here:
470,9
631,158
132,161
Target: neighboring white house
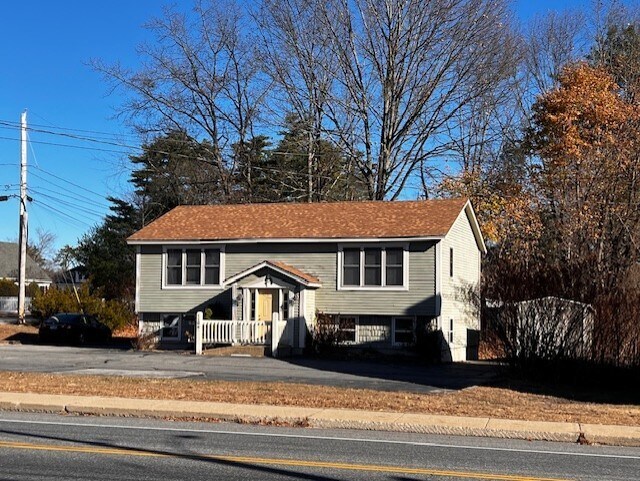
67,279
9,266
379,268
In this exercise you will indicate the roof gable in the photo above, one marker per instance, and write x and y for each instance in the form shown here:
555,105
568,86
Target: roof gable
280,267
9,264
282,221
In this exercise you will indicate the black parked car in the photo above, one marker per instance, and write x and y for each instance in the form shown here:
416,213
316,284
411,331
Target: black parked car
73,328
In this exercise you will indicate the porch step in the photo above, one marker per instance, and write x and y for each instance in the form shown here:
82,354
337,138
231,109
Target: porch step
252,351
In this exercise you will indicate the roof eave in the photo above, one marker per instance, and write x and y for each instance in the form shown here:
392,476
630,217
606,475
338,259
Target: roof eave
287,240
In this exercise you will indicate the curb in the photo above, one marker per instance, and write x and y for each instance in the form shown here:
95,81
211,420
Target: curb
324,418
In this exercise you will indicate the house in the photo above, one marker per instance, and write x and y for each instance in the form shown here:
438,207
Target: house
380,268
9,255
68,278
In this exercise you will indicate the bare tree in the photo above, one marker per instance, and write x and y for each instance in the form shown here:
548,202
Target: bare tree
551,42
42,249
297,57
199,76
406,68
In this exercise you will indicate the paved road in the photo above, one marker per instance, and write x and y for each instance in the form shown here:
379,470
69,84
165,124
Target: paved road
34,447
373,375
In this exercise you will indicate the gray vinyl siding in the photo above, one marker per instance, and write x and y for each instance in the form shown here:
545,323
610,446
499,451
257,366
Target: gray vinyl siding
456,304
152,298
319,260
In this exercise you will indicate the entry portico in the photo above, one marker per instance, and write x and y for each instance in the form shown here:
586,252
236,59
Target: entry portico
273,290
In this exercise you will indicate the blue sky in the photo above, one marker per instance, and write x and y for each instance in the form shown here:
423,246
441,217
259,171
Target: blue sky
44,50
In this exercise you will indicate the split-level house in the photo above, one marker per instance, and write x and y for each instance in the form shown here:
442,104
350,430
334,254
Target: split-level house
378,268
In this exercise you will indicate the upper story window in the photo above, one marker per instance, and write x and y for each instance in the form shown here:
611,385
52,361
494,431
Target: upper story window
192,267
174,267
373,267
351,263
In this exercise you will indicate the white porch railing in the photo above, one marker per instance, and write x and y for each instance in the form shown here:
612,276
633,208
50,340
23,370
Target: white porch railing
237,332
232,332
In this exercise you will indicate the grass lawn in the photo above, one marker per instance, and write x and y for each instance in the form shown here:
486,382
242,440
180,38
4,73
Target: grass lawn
509,399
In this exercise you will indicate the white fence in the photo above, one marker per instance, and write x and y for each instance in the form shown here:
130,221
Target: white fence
10,304
238,332
235,332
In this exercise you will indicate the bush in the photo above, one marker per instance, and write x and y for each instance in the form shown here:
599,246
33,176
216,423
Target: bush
325,334
8,288
32,289
114,313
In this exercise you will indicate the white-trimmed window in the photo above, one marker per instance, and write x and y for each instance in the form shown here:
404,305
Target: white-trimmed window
451,262
192,267
174,267
351,267
373,267
403,330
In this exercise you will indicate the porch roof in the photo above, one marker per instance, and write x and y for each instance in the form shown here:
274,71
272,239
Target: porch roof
286,270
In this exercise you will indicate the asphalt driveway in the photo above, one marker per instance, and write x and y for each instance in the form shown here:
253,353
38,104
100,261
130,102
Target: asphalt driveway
377,375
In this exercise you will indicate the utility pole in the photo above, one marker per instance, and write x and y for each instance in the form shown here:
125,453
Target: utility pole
23,222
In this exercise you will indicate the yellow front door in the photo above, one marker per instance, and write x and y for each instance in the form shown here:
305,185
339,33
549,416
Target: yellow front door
265,304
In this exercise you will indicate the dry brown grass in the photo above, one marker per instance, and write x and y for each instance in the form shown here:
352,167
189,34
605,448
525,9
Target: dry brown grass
496,402
518,402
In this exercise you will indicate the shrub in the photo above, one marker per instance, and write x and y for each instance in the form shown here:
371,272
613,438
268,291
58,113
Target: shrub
114,313
8,288
32,289
325,334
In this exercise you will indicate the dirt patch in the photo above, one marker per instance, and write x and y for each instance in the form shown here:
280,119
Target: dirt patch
23,333
497,402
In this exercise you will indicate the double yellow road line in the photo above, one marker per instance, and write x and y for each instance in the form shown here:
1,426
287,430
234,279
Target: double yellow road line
245,460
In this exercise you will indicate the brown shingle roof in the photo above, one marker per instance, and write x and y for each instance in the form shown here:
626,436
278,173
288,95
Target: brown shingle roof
335,220
295,271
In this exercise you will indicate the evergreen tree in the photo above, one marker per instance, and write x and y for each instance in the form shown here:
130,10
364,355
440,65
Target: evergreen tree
173,170
104,252
333,172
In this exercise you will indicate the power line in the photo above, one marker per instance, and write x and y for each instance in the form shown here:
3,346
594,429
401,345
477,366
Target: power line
58,213
71,194
67,181
11,123
67,193
79,147
146,149
80,209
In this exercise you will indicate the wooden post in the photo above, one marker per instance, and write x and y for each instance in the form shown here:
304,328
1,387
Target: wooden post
199,317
